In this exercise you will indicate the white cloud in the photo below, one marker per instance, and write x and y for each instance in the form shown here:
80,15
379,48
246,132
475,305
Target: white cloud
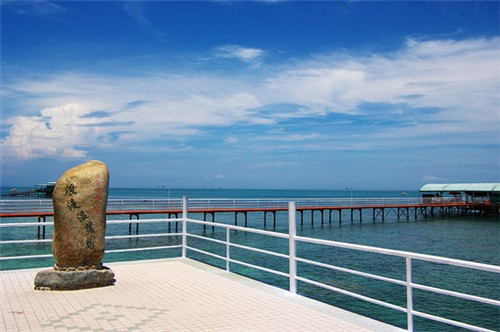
136,11
447,47
245,54
40,8
442,72
431,178
460,79
171,108
299,137
231,140
318,88
57,132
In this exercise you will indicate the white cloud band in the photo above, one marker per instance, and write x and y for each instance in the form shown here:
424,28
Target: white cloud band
461,79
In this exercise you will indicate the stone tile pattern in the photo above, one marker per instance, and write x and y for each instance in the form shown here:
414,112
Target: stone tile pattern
169,295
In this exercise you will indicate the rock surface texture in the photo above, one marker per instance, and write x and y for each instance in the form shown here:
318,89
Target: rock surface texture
71,280
79,198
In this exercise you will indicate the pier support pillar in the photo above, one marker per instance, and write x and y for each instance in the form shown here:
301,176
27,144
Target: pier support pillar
130,223
381,212
236,218
205,219
176,215
360,214
274,218
41,219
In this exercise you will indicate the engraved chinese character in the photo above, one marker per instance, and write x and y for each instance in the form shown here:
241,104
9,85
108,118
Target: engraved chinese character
71,189
89,227
72,204
90,243
81,216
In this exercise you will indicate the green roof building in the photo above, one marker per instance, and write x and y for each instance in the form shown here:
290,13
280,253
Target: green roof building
488,193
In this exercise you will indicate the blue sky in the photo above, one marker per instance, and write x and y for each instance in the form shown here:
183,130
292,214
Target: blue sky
252,94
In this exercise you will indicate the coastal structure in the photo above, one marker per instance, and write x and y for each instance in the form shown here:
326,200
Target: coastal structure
39,190
487,193
484,196
309,210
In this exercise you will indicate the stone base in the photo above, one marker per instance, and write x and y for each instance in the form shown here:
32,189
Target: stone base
70,280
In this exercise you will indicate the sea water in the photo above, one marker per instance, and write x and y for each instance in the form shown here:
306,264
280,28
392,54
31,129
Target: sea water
471,238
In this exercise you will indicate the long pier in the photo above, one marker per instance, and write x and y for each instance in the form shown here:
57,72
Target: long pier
379,211
325,209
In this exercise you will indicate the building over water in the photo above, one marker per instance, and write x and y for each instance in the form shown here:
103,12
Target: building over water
488,193
39,190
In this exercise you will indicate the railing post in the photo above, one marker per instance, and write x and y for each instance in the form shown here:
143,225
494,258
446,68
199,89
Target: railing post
184,225
292,211
228,246
409,294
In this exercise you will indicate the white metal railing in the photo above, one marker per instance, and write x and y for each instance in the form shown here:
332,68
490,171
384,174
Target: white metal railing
112,237
293,259
294,277
45,205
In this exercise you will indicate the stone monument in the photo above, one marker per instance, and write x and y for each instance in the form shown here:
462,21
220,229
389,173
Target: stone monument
80,197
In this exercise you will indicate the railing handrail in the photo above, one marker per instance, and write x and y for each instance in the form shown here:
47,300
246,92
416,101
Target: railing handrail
34,206
359,247
402,253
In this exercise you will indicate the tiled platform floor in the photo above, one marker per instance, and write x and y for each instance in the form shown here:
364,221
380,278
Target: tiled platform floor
169,295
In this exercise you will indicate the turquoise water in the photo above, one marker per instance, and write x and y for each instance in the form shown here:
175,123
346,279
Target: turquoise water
469,238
